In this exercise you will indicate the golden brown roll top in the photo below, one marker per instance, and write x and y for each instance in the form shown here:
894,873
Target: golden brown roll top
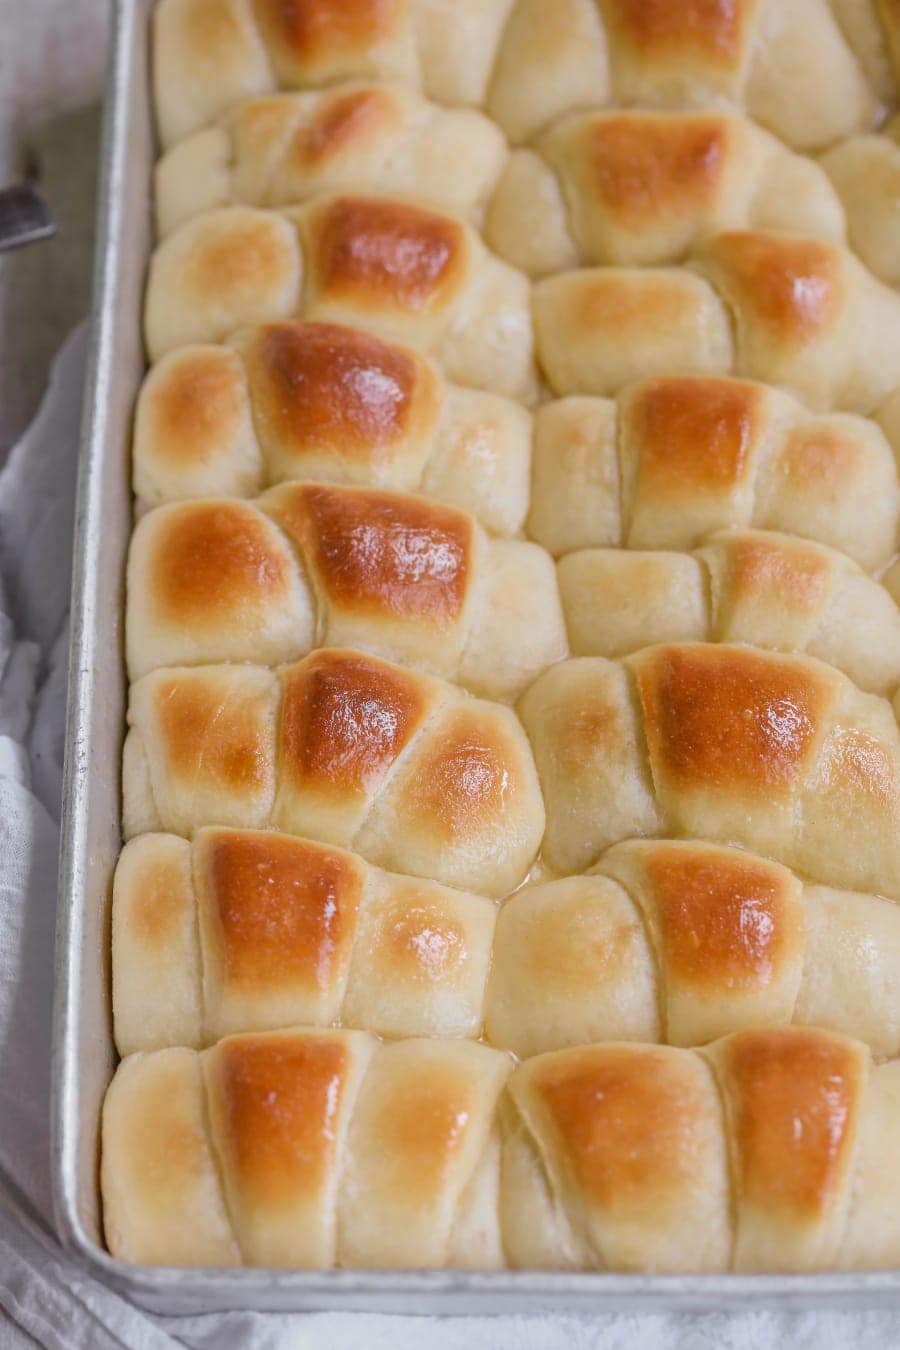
313,564
345,748
793,1102
244,930
607,1151
781,754
282,149
319,1148
383,264
681,942
809,80
641,188
676,457
320,401
750,586
781,308
634,1140
305,1148
630,1160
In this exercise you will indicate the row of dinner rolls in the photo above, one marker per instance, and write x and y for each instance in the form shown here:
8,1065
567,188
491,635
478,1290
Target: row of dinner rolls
783,308
811,71
672,459
385,264
621,186
676,941
781,754
311,564
750,586
345,748
316,1148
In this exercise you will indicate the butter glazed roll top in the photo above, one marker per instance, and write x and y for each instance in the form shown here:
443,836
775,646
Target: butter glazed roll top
314,564
664,940
309,1149
779,753
347,749
383,264
682,941
297,1123
323,401
243,930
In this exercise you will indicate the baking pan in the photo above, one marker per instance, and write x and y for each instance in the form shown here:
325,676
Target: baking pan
83,1054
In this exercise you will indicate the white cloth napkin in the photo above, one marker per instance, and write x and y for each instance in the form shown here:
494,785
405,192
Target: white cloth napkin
40,1287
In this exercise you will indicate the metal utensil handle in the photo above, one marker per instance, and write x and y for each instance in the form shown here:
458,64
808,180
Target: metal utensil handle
25,217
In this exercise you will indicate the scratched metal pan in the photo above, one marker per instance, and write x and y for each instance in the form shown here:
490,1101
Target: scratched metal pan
84,1055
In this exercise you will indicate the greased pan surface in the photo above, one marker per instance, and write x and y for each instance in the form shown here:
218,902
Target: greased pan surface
83,1055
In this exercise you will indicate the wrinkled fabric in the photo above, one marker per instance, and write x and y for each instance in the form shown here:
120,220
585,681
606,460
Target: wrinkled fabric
48,1294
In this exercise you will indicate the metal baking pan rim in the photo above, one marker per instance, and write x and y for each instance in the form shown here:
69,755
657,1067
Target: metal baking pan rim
165,1289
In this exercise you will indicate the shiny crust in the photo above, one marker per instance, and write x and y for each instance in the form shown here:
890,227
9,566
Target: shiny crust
722,718
631,1137
349,752
312,564
287,931
545,62
322,401
677,457
675,941
749,586
383,554
205,562
345,719
805,314
723,919
373,251
642,164
305,1148
637,187
779,753
792,287
214,727
278,1107
317,386
283,149
378,262
296,1120
793,1101
283,910
695,435
326,1140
